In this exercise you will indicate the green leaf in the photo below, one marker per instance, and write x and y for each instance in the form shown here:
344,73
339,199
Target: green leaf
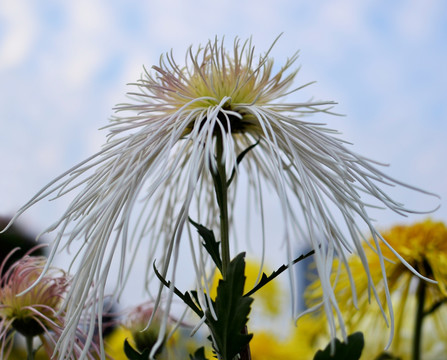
232,310
435,306
351,350
387,356
133,354
266,279
185,297
199,354
209,242
239,159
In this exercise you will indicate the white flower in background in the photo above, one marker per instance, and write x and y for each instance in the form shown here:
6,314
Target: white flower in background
154,172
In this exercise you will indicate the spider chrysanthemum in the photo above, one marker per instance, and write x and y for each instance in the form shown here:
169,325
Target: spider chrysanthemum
155,171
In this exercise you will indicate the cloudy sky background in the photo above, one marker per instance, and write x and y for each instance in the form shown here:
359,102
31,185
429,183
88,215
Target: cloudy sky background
64,65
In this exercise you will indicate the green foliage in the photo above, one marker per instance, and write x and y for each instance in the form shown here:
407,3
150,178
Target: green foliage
199,354
387,356
133,354
351,350
186,297
232,310
239,159
210,243
231,306
266,279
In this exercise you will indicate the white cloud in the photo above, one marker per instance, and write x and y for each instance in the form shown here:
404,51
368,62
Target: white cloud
418,20
19,31
85,41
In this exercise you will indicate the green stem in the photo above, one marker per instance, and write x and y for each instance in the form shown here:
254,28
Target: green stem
221,187
223,204
29,347
417,341
245,353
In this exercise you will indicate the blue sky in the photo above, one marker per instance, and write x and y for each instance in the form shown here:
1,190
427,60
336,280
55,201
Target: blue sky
64,65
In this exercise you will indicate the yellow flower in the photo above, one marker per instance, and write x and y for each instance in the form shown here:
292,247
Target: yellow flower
423,245
133,329
179,346
114,343
301,343
266,346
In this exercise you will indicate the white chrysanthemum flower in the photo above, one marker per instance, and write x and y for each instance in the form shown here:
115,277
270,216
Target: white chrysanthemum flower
155,170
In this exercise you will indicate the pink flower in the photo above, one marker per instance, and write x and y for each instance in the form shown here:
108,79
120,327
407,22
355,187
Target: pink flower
27,309
31,304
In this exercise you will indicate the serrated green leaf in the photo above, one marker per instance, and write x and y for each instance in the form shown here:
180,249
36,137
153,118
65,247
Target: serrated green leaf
387,356
209,243
239,159
232,310
351,350
185,297
133,354
199,354
435,306
266,279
